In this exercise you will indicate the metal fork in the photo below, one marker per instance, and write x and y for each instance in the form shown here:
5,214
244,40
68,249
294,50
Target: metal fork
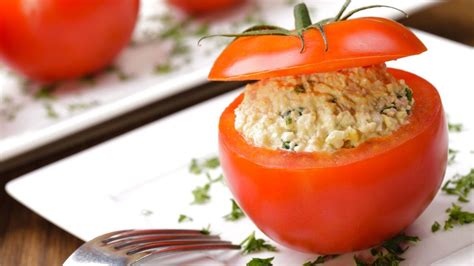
129,247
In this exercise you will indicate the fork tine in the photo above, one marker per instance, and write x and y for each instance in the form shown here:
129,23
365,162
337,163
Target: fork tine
136,233
120,244
184,248
176,243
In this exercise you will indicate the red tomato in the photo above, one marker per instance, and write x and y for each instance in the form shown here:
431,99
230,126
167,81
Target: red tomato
58,39
352,199
352,43
197,7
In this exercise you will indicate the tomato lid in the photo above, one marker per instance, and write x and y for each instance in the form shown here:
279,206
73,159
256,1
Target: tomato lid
329,45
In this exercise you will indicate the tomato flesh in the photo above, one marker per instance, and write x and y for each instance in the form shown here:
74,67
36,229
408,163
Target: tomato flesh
51,40
351,43
352,199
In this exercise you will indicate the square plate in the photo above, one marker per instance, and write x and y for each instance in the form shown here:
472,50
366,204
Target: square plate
141,179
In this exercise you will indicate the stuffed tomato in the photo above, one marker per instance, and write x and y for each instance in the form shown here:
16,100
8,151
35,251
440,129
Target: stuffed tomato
330,151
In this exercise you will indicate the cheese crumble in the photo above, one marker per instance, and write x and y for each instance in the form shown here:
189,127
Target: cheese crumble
323,111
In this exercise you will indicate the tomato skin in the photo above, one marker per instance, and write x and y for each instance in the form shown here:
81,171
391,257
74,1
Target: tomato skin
349,200
197,7
351,43
50,40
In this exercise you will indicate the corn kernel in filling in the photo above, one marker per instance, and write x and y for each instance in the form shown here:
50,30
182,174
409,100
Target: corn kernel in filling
323,111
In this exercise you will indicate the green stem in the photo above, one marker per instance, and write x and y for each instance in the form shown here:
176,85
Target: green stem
348,15
342,10
302,18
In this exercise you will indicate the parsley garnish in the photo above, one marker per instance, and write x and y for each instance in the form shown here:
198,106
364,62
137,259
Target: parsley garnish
252,245
163,68
460,186
184,218
260,262
50,112
236,212
388,252
435,227
197,168
300,89
46,92
409,94
206,230
320,260
457,217
201,194
455,127
452,155
286,145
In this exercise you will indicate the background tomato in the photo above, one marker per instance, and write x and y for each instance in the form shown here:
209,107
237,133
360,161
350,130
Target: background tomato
57,39
196,7
348,200
351,43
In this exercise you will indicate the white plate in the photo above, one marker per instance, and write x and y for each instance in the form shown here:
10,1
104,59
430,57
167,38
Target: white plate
109,187
24,120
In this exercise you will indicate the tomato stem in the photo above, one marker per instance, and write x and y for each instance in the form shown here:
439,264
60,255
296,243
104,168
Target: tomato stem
302,17
342,10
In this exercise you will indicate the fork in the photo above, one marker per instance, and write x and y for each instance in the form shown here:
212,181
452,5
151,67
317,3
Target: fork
129,247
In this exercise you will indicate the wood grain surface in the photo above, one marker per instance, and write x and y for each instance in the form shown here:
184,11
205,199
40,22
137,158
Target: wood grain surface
28,239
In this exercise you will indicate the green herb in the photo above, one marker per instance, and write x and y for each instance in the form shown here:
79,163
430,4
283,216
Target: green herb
408,94
236,212
452,155
180,49
206,230
455,127
201,194
203,29
435,227
220,178
252,245
288,120
50,112
122,75
320,260
46,92
457,217
260,262
286,145
197,168
300,89
81,106
388,253
460,185
163,68
184,218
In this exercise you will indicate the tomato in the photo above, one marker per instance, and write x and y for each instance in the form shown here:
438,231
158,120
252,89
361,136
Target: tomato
197,7
352,199
351,43
50,40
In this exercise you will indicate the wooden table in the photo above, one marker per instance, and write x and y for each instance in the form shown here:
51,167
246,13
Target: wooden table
28,239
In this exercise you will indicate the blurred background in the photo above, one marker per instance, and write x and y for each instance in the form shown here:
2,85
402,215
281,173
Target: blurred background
120,76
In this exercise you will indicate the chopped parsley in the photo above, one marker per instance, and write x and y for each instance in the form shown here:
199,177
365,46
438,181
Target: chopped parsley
260,262
202,30
201,194
74,107
252,245
50,112
457,217
184,218
388,253
460,185
236,212
320,260
452,155
206,230
435,227
286,145
46,92
197,168
408,94
163,68
300,89
455,127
